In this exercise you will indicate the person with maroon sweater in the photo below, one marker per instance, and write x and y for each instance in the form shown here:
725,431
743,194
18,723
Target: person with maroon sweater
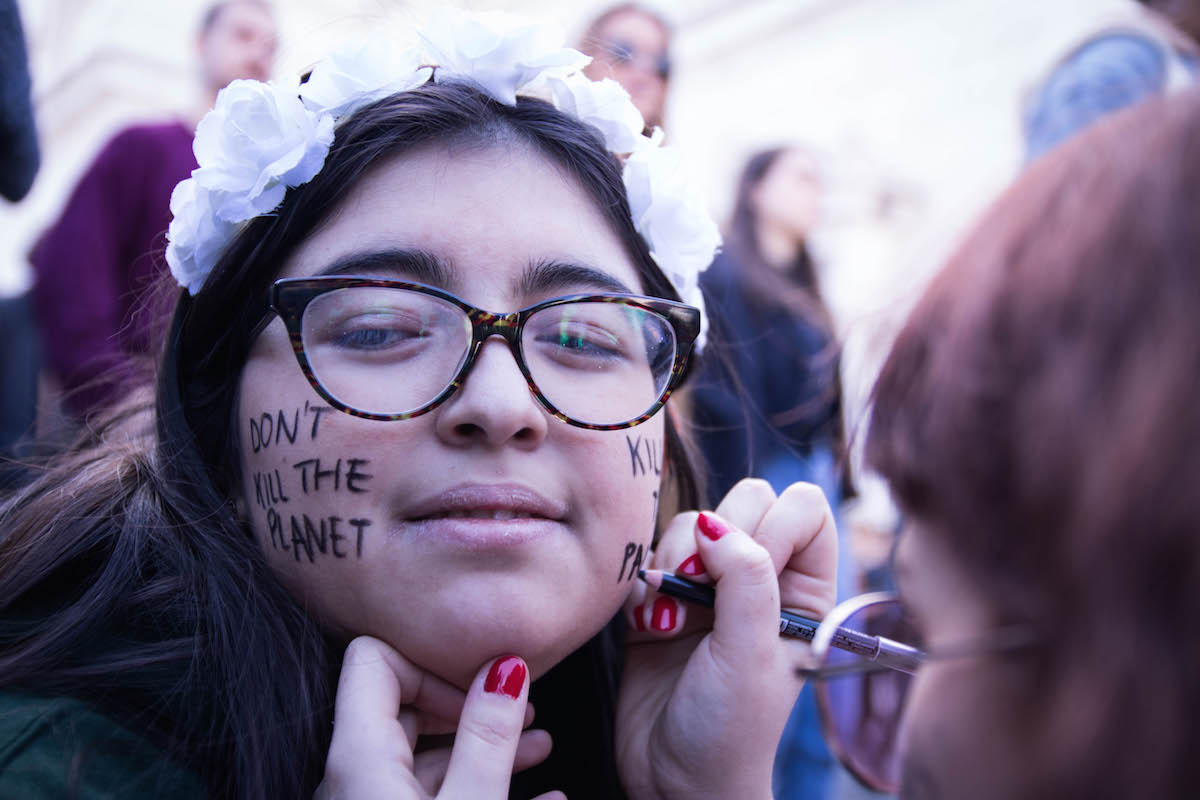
95,265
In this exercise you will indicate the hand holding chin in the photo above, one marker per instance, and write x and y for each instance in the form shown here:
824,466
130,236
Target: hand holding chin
706,694
384,703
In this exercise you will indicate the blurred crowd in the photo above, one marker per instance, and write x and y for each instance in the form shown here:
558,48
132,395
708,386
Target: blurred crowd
81,332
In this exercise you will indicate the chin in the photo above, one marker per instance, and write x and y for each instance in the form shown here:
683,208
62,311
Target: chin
456,652
458,662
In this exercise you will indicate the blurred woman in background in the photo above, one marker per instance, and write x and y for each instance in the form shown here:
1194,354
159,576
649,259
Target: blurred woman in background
768,399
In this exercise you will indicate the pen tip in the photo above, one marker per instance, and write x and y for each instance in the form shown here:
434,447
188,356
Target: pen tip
653,577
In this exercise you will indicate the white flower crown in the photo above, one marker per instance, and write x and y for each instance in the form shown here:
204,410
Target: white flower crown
262,138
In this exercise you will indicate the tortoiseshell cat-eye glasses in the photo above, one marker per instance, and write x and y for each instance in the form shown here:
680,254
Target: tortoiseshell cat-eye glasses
393,350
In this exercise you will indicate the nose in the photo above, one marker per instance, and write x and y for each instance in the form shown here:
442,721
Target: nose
494,406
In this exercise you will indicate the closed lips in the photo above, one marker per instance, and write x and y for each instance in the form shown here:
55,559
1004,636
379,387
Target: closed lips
481,501
482,514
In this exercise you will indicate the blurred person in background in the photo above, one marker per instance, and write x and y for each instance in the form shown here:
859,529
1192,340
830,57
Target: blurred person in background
631,45
1124,60
19,161
768,399
95,265
1038,425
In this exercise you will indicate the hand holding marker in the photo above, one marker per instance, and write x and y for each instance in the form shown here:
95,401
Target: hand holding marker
878,649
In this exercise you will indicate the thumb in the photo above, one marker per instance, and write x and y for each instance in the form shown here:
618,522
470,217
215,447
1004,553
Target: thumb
481,762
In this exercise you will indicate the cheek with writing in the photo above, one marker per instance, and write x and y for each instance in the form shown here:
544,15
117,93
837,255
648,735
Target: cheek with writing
645,463
294,530
645,456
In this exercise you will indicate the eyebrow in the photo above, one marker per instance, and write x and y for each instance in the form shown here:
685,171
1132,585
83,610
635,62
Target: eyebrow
543,276
553,275
414,263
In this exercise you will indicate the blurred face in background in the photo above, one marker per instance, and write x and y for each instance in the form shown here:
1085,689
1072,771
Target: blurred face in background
787,200
239,42
631,48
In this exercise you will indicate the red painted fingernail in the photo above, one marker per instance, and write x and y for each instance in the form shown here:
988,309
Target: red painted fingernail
663,617
506,677
691,566
712,526
638,613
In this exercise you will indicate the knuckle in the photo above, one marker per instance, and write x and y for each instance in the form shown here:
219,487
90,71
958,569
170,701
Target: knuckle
755,564
760,566
805,494
493,732
753,490
807,505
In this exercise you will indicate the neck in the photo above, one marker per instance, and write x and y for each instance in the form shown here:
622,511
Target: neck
778,247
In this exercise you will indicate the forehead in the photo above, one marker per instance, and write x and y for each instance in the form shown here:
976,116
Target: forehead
488,213
797,162
241,15
636,26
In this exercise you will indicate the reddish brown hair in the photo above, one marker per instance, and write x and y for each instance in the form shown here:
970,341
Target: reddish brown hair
1040,411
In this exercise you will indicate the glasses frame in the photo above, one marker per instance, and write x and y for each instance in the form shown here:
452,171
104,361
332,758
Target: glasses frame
289,297
624,52
1007,639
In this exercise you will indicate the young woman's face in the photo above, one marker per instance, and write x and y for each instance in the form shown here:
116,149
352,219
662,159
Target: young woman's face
788,198
240,44
486,526
631,48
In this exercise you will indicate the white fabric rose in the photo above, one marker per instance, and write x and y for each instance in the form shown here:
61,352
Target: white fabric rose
672,219
196,236
358,75
256,142
500,52
603,104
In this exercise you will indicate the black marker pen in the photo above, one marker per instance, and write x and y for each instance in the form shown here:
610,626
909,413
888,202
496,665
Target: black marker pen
873,648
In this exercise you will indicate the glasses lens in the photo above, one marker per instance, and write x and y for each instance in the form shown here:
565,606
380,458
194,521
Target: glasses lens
384,351
599,363
862,711
621,50
663,66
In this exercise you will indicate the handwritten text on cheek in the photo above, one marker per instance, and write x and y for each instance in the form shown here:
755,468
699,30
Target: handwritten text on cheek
644,461
306,537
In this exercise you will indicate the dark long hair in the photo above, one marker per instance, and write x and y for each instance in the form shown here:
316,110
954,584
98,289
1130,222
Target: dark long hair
127,578
1039,414
796,287
771,331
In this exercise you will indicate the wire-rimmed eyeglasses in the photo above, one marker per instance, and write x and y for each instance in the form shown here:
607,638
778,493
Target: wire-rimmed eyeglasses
392,350
862,701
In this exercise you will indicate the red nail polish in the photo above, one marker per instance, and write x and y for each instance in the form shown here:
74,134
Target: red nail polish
712,526
639,612
692,565
506,677
663,617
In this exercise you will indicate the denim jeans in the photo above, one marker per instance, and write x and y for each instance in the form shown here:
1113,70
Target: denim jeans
804,767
